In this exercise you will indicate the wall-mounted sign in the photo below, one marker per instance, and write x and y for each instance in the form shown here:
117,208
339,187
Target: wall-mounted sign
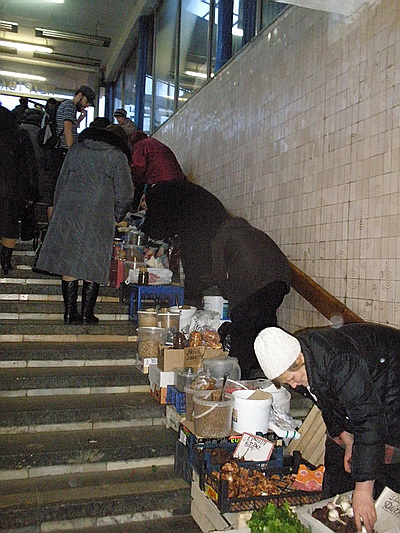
11,85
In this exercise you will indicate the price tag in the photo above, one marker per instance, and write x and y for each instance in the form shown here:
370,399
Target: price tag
253,448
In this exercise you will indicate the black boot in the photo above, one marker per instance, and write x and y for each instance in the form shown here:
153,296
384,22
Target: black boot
6,254
89,296
70,295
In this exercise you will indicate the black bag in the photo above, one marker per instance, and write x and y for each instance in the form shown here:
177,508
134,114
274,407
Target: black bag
28,223
47,136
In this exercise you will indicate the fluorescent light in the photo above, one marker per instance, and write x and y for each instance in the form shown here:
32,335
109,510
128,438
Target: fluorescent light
21,76
80,38
196,74
8,26
26,47
65,58
53,1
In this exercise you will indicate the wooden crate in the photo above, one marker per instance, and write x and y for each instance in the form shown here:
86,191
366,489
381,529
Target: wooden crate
311,444
207,516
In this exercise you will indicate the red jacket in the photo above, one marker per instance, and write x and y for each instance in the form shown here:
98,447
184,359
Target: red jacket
153,162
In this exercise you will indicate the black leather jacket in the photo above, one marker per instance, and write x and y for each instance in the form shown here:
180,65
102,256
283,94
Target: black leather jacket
354,372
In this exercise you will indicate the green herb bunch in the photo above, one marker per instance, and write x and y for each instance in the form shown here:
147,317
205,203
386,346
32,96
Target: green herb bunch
273,519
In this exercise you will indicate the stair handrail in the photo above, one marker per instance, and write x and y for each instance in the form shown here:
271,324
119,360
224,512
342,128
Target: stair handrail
329,306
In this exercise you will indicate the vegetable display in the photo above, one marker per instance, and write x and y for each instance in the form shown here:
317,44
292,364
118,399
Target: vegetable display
273,519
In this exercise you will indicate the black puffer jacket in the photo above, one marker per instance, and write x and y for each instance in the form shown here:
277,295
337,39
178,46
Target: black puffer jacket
354,372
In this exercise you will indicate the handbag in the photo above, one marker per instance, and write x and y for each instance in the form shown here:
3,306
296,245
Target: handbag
28,223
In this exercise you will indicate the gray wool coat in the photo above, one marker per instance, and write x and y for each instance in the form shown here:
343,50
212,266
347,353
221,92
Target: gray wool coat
94,191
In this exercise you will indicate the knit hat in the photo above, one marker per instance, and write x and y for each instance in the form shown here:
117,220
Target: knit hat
276,351
120,113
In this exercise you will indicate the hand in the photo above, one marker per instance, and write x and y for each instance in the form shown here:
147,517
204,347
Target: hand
363,505
348,440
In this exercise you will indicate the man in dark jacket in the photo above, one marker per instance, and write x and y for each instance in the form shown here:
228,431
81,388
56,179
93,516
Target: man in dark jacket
353,374
218,249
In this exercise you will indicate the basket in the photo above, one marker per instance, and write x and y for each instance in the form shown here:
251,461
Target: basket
217,490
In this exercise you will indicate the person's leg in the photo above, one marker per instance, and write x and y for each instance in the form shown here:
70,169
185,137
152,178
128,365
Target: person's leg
89,297
70,296
7,248
256,312
57,160
336,479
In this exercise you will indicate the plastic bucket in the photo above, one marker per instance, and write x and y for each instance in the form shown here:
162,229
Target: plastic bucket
149,341
185,315
212,419
218,304
280,397
147,319
190,394
250,416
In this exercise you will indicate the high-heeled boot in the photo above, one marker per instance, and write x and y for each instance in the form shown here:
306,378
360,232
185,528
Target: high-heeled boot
89,296
70,295
6,254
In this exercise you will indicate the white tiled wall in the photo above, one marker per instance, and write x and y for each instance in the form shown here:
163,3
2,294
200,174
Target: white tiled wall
300,134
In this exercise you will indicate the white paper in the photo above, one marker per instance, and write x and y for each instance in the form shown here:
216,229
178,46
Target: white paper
253,448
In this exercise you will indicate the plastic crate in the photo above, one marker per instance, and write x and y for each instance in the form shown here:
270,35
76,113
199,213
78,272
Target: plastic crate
196,445
217,490
276,460
176,398
145,296
181,462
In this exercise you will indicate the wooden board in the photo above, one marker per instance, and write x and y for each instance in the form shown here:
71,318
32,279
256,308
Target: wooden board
312,441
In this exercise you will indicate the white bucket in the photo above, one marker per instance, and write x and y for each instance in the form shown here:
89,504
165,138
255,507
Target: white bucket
218,304
280,397
185,315
250,416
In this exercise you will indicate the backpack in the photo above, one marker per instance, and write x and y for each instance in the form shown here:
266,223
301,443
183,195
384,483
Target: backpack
47,136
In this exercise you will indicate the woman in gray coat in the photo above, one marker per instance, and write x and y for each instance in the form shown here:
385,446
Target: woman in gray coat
94,191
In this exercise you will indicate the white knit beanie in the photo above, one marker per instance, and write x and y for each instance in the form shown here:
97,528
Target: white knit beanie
276,351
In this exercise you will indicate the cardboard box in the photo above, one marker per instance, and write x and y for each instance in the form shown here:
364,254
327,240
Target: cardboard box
170,358
159,393
386,521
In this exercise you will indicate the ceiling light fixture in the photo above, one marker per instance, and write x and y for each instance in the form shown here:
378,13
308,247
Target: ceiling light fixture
196,74
8,26
65,58
22,76
79,38
26,47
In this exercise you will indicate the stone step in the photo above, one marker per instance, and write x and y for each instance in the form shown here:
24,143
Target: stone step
24,456
65,354
57,331
22,310
78,412
180,524
27,273
77,502
26,288
72,380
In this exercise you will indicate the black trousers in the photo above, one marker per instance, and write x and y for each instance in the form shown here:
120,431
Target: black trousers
57,160
337,480
254,314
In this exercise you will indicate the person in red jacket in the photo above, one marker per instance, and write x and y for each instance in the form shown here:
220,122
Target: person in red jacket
152,162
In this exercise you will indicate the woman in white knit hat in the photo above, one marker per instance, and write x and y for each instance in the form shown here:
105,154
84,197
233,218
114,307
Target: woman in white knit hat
353,375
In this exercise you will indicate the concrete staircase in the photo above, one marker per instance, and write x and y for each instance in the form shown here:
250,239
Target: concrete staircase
83,445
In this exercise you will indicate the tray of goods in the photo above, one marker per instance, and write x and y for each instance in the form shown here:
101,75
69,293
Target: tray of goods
235,488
